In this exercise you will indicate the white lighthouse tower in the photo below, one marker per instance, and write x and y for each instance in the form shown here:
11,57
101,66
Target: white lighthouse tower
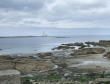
44,34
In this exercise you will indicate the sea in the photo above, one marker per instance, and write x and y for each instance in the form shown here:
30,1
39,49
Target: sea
28,45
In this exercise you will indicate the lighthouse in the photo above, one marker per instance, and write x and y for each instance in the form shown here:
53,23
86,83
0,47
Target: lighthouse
44,34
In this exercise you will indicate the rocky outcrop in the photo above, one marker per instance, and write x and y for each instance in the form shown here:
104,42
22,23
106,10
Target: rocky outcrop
10,77
25,65
63,47
104,43
78,44
107,55
92,43
47,55
29,65
74,44
86,51
70,46
6,63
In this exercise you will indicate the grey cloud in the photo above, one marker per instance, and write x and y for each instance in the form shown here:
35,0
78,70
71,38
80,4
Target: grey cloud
74,10
21,4
54,13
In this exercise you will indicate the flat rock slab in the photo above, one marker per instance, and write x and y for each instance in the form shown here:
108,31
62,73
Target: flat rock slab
9,77
102,80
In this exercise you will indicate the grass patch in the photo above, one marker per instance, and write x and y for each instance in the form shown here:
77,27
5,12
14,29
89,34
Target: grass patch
80,78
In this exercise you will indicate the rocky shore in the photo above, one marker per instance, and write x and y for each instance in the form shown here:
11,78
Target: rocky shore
66,60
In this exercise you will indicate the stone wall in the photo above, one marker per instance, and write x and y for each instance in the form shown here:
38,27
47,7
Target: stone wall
9,77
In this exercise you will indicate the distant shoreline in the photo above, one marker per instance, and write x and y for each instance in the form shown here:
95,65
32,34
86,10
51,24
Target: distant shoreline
17,36
32,36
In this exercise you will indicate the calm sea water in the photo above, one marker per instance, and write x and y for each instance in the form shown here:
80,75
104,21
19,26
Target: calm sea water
41,44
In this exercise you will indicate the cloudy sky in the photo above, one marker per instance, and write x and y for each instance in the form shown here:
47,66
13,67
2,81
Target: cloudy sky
27,16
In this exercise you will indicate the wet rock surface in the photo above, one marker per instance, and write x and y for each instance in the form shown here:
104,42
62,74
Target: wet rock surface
92,43
88,51
76,45
63,47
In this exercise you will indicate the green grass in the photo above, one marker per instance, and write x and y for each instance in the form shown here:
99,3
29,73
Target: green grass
42,78
80,78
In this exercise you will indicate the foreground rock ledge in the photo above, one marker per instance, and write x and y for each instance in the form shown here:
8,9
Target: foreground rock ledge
24,65
9,77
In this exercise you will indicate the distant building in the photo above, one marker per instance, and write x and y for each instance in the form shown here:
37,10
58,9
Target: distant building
44,34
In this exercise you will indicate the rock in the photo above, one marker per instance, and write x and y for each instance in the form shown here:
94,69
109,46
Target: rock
10,77
6,62
47,73
107,55
34,57
91,82
86,51
69,44
63,79
30,66
92,43
102,80
69,74
104,42
6,57
63,65
28,75
78,44
25,65
61,47
83,46
73,44
77,82
47,55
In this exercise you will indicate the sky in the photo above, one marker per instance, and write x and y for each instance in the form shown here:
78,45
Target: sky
32,17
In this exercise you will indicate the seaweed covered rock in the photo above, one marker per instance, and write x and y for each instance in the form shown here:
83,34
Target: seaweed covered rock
45,55
78,44
86,51
6,57
92,43
70,46
74,44
63,47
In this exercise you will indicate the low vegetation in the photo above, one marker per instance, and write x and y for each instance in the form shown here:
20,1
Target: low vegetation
79,77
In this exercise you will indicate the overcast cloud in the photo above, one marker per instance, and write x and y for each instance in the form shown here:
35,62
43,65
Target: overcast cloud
54,13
